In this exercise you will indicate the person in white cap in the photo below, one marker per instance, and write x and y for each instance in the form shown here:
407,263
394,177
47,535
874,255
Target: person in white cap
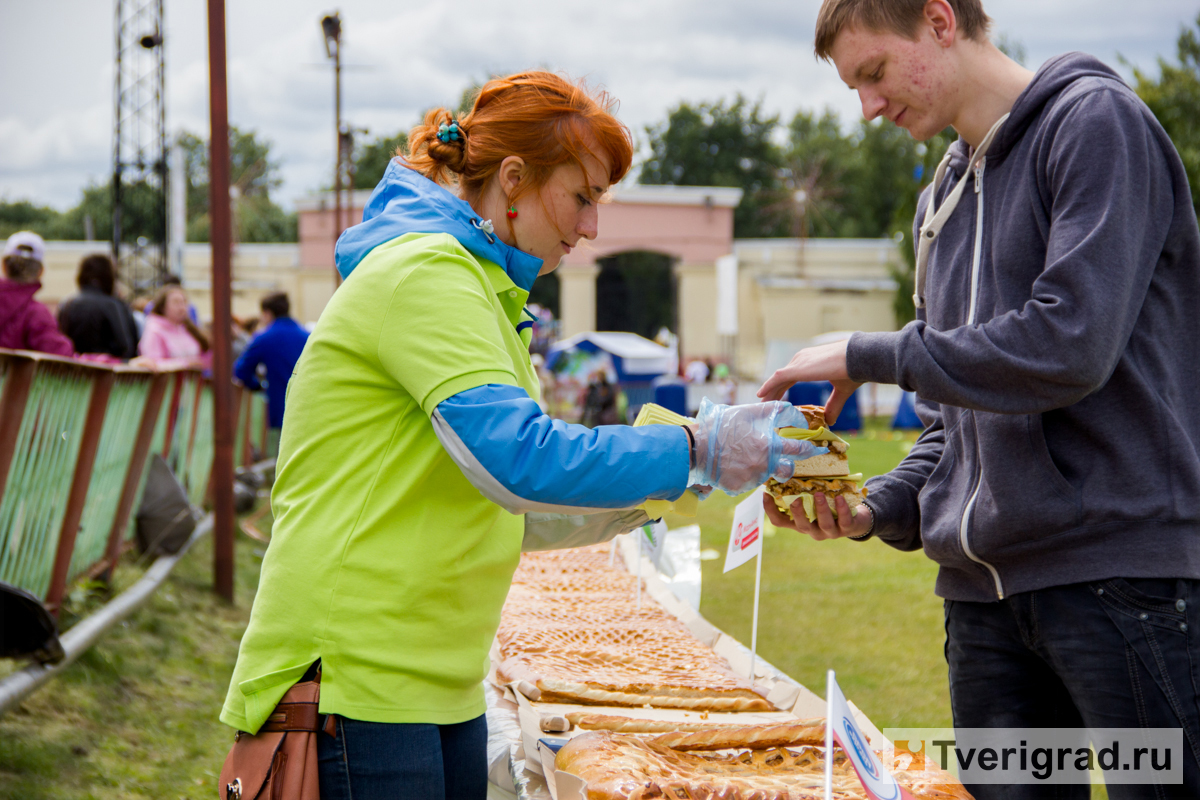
26,324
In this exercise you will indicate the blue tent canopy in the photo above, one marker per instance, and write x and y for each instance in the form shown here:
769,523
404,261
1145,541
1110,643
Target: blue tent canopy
636,359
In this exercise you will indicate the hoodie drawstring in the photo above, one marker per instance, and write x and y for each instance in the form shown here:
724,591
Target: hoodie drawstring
935,218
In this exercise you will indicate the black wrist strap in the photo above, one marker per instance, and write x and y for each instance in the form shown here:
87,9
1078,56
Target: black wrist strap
691,442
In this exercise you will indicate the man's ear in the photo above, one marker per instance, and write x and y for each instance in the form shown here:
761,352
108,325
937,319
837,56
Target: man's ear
510,174
939,16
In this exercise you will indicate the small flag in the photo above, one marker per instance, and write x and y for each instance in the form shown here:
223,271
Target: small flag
879,783
746,536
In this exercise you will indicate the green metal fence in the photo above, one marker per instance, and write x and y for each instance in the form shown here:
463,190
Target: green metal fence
39,476
75,443
126,405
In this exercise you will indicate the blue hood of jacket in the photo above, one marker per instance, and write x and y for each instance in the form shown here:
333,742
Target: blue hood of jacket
405,201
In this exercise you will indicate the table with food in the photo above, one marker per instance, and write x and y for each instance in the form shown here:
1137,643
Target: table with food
609,687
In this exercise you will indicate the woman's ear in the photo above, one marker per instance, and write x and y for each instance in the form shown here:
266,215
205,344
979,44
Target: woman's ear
510,174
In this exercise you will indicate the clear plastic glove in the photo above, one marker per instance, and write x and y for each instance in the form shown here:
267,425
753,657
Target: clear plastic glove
738,448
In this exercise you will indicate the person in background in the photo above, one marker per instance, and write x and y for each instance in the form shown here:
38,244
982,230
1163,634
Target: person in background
95,319
600,403
26,324
170,333
276,348
175,280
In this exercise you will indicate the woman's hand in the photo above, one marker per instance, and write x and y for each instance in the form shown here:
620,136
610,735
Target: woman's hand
738,448
825,362
825,526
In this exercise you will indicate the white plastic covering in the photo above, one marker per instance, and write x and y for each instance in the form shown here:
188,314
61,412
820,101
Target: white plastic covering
679,564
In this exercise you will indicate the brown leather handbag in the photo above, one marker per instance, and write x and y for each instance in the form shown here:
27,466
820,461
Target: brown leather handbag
280,761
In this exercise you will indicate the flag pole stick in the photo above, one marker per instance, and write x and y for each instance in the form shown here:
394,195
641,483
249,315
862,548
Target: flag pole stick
754,624
829,736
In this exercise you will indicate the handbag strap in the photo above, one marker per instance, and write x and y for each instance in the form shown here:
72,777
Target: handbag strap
301,716
293,717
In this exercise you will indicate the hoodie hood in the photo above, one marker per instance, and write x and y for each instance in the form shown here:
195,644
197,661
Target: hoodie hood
407,202
14,297
1050,80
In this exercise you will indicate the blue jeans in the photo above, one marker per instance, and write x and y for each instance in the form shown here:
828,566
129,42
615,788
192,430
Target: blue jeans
399,761
1110,654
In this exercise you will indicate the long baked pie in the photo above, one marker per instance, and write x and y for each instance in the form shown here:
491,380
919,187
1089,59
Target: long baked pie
573,628
619,766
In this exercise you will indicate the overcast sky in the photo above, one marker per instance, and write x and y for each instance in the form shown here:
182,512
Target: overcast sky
56,60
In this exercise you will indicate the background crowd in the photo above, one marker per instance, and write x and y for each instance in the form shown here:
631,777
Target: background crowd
162,331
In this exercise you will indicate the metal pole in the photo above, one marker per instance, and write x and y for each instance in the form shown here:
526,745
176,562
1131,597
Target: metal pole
337,166
218,203
116,164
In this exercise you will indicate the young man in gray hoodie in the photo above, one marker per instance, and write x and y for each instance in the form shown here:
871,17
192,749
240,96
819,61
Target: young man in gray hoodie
1056,361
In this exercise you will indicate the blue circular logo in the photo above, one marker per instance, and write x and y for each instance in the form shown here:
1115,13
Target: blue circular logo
860,747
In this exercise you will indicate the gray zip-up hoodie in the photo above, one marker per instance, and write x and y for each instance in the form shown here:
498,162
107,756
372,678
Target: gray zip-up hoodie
1064,414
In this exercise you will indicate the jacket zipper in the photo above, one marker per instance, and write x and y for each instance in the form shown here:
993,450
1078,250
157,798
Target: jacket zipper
964,523
978,254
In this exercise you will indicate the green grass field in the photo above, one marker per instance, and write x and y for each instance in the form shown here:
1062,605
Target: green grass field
136,716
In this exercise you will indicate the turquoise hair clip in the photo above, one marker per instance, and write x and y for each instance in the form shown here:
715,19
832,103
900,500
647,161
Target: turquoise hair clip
450,133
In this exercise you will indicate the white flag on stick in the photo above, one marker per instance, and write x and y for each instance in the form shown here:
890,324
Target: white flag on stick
745,542
840,726
745,539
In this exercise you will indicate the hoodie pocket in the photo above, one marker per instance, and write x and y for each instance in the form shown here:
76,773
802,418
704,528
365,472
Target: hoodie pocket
1022,494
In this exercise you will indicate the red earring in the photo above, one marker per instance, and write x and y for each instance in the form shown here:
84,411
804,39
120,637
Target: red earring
512,212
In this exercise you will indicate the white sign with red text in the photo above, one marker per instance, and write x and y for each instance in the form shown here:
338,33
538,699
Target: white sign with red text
746,536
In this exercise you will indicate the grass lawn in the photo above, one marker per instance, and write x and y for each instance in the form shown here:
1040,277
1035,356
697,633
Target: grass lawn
136,715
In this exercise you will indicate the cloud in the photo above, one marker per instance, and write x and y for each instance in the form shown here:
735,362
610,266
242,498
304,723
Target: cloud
55,126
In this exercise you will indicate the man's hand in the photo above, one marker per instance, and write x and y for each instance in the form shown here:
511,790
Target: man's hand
825,362
825,526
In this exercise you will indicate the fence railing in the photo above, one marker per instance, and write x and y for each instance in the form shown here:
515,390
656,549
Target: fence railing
75,442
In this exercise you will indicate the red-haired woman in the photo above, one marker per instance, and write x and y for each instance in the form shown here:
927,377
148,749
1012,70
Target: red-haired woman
416,464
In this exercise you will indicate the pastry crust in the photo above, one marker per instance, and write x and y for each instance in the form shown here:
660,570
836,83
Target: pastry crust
571,627
754,737
610,722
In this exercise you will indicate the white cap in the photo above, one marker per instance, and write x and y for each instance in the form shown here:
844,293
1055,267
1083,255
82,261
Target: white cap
27,244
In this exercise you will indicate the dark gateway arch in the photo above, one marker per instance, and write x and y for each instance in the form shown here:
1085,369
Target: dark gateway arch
636,292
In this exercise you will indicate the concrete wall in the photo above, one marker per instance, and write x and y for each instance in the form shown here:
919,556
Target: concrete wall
791,289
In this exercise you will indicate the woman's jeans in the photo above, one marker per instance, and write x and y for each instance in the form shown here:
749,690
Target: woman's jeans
1117,653
395,761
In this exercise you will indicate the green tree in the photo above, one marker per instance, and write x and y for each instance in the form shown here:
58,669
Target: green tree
815,165
373,158
720,144
1175,100
252,176
22,215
